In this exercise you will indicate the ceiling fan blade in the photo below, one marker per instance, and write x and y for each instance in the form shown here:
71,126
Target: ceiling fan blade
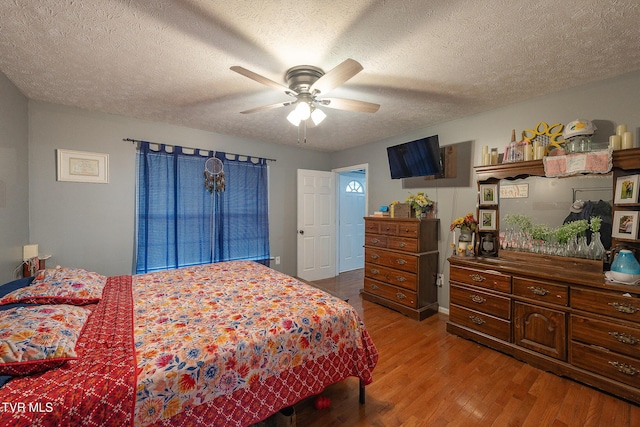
267,107
349,105
262,79
336,76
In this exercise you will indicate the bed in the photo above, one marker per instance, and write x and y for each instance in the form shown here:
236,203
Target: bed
220,344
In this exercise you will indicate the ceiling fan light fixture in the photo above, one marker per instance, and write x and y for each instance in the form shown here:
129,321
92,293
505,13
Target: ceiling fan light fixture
317,115
303,109
294,117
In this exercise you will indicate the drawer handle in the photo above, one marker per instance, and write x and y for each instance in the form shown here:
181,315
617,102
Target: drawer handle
478,299
475,319
538,290
623,308
625,338
402,244
477,278
624,368
374,271
401,279
401,261
374,287
375,256
400,295
374,241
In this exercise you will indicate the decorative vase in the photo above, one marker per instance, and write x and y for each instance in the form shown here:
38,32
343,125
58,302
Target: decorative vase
464,241
582,249
596,248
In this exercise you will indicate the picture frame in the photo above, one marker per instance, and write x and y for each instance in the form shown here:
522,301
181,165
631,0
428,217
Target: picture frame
82,166
487,219
488,194
625,225
626,189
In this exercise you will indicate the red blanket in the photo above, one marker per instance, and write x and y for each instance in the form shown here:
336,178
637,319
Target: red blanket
97,389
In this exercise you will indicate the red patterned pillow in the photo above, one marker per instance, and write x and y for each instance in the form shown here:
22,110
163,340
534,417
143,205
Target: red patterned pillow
34,339
60,286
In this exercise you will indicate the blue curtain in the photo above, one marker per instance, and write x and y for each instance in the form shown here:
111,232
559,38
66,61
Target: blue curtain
180,223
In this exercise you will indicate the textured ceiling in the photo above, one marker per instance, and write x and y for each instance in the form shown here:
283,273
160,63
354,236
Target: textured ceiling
425,62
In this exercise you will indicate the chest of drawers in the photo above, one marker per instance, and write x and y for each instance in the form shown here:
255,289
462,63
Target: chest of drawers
401,264
570,323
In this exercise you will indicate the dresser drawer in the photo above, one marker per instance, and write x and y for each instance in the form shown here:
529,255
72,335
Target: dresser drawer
393,293
403,244
608,303
615,337
409,230
375,240
372,226
609,364
389,228
482,301
541,291
404,279
406,262
480,322
490,280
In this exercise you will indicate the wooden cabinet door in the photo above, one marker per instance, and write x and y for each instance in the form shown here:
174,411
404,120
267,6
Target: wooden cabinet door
540,329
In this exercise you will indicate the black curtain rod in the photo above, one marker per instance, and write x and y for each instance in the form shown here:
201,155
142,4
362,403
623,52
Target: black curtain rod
191,148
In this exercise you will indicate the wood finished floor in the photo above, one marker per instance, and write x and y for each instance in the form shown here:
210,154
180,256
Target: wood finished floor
427,377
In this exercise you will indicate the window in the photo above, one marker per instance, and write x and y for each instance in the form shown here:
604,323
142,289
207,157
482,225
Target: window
180,223
354,187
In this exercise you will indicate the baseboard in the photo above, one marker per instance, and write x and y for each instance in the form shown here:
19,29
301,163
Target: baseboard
443,310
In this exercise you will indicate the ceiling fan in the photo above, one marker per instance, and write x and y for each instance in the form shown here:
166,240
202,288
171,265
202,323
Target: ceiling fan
307,84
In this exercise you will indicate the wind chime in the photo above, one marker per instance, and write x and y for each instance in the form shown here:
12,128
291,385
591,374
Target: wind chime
214,175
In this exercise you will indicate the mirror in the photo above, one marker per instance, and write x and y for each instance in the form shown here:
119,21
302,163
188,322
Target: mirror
549,199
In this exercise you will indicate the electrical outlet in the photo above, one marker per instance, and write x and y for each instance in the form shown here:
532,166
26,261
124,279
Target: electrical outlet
277,260
440,280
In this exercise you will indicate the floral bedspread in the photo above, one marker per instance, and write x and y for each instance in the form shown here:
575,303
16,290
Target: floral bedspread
231,343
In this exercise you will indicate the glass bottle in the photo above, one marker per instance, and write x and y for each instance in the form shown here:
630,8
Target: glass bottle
596,248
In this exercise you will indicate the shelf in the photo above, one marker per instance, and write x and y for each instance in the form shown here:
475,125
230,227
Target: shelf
510,170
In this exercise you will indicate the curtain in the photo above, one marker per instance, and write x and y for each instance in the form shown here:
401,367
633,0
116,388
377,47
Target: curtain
180,223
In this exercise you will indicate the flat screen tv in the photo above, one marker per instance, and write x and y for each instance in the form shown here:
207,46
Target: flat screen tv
415,158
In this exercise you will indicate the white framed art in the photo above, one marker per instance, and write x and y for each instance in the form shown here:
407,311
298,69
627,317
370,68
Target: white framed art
625,225
488,194
82,166
626,189
487,219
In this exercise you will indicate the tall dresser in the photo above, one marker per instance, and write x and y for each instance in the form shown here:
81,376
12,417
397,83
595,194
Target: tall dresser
401,264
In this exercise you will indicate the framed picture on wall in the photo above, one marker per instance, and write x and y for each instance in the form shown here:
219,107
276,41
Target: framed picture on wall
486,220
488,194
626,189
81,166
625,225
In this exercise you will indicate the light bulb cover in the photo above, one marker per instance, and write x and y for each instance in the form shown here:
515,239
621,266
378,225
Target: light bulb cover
293,118
317,115
304,110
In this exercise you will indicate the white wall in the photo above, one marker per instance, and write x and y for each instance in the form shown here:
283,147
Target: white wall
14,178
92,225
615,101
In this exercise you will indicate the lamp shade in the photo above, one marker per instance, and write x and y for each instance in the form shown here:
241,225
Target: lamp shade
294,117
304,110
29,251
317,116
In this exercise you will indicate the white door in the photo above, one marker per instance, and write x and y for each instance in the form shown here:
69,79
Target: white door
351,194
316,225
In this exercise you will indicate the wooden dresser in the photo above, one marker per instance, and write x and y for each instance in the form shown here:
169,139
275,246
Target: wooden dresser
552,313
401,264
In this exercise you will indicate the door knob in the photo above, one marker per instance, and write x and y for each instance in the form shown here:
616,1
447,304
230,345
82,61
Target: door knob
301,231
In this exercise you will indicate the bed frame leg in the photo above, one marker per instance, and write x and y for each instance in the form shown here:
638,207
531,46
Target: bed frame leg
362,393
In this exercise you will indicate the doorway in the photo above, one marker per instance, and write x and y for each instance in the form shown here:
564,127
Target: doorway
351,205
